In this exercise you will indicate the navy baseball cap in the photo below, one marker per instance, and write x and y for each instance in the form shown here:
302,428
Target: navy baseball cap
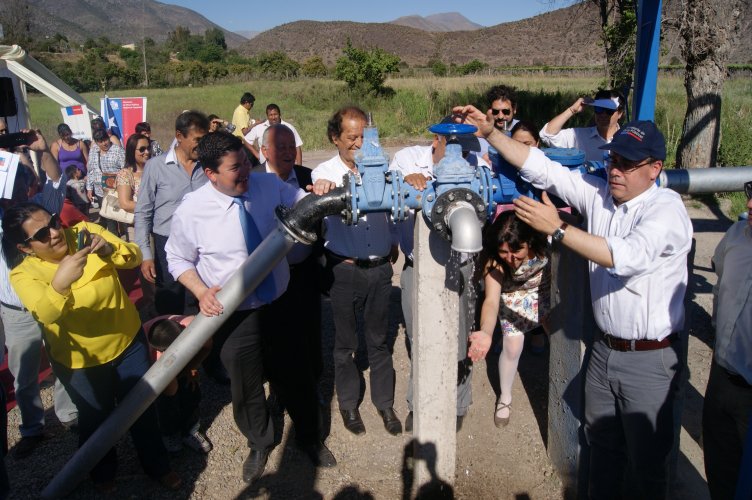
638,140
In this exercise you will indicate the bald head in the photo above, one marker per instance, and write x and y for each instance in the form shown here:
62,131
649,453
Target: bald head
278,146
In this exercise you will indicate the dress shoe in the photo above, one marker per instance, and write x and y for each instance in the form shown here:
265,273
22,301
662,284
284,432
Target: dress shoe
319,454
254,465
409,422
391,422
502,421
353,422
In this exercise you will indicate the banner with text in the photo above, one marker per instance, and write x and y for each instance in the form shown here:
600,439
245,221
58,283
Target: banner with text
77,118
126,111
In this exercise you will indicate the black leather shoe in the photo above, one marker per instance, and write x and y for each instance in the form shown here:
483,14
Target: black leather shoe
353,422
319,454
391,423
254,465
409,422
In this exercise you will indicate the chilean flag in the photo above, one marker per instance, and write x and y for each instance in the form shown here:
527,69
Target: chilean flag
110,119
74,110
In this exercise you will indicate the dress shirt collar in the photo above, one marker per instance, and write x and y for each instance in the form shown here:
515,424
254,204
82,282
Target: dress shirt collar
172,157
291,179
630,205
595,135
224,201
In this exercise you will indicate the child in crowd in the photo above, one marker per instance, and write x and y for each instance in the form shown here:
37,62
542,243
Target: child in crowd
178,405
76,188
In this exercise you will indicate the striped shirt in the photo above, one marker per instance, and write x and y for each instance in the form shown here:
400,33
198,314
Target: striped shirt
108,163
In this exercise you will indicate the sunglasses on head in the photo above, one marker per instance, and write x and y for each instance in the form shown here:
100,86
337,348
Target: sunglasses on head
43,234
505,111
598,110
748,189
143,149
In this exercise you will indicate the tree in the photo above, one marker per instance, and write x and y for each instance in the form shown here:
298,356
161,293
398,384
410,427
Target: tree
619,36
215,36
366,70
277,63
474,66
15,19
709,30
314,67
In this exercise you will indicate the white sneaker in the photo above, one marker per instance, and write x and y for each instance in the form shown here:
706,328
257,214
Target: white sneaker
198,442
173,443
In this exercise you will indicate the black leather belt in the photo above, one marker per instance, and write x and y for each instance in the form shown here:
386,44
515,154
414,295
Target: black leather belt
364,263
624,345
15,308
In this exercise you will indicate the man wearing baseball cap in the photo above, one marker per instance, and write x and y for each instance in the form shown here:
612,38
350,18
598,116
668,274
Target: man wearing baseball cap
637,240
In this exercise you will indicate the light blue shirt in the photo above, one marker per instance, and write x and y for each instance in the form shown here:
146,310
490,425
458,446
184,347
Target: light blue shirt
732,301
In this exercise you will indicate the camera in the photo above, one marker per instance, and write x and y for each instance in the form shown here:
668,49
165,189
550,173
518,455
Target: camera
11,141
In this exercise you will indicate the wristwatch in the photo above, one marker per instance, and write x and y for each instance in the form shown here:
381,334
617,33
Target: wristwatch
558,235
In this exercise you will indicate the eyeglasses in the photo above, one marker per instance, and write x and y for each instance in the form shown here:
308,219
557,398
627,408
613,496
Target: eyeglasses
748,189
143,149
43,234
599,110
625,166
505,111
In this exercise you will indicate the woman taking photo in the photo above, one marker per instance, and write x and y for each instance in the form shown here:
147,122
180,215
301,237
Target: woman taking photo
137,153
517,280
91,330
69,150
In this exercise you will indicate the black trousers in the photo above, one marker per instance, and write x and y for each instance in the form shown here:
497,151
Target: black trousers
169,295
725,421
241,338
367,289
292,349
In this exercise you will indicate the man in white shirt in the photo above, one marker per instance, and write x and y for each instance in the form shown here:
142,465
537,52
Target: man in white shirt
728,398
637,240
416,165
212,233
608,109
256,134
360,260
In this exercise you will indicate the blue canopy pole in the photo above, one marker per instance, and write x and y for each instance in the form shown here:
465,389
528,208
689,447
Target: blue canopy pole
646,59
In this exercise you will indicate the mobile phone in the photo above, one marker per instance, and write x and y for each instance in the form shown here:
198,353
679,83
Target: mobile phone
16,139
84,239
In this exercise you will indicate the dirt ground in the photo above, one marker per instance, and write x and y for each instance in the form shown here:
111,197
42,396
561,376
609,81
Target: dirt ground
508,463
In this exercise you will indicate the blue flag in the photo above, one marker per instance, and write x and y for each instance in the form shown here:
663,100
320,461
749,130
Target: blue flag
110,119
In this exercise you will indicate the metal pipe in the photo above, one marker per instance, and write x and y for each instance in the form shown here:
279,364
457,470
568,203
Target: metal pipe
705,180
464,228
303,219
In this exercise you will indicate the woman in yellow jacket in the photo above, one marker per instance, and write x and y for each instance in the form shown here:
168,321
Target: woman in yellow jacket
91,329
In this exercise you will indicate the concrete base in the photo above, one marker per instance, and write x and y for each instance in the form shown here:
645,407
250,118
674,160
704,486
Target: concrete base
434,356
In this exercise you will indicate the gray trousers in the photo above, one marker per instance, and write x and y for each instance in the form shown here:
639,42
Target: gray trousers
629,419
464,379
23,338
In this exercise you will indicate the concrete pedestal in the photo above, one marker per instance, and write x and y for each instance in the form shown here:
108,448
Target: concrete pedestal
436,323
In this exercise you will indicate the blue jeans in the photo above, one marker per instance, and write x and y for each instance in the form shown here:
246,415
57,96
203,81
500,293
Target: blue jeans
95,391
23,337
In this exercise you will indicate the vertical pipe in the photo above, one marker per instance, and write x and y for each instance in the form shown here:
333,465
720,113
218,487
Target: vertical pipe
646,58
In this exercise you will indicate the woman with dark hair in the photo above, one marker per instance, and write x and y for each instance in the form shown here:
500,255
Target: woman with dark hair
69,150
526,133
517,279
67,279
137,153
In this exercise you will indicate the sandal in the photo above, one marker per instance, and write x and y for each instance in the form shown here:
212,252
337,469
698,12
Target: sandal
499,421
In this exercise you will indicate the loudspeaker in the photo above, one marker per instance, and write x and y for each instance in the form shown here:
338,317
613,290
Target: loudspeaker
8,106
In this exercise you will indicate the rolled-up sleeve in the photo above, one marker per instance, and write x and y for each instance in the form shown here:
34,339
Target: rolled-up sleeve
564,139
125,255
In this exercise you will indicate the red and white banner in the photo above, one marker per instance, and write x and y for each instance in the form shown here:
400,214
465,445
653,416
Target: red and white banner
77,118
127,112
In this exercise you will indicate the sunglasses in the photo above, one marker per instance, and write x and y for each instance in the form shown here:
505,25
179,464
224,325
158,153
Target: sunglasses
625,166
748,189
143,149
505,111
43,234
599,110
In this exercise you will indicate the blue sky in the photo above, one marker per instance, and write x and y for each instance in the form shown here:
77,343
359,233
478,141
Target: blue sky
259,16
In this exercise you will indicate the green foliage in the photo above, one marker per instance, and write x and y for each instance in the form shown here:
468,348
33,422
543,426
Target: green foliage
365,71
474,66
620,38
314,67
438,68
276,64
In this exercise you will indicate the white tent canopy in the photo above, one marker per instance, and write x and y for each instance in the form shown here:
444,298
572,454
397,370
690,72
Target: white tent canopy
30,71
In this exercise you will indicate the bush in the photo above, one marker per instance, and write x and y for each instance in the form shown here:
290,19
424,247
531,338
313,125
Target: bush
365,71
314,67
474,66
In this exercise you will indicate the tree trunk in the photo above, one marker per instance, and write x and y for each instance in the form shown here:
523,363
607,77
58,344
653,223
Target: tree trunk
708,32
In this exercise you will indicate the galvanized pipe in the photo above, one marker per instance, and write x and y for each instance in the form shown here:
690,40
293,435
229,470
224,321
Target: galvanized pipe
706,180
464,228
260,263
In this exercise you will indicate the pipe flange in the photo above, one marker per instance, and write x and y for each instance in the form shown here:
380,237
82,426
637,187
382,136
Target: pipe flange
442,208
298,233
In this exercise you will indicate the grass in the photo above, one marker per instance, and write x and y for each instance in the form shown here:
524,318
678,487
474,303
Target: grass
419,102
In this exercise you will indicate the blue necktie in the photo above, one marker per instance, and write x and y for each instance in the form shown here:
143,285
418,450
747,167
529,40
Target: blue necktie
266,291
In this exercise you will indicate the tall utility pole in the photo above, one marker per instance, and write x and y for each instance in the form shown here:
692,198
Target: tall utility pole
143,41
